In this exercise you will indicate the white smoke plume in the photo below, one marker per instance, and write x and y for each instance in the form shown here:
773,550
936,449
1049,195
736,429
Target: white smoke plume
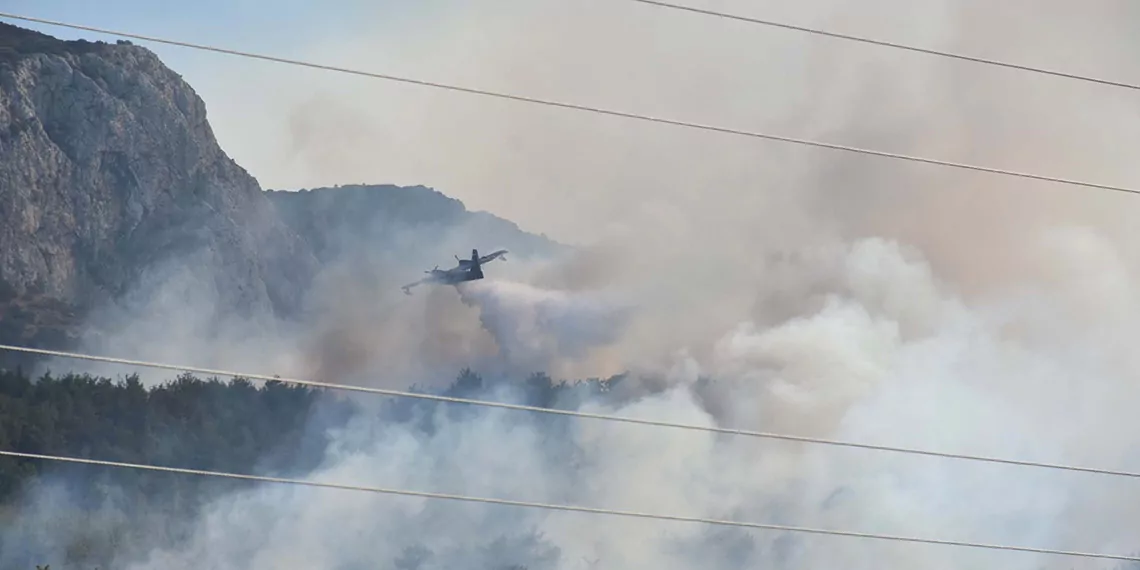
889,357
547,330
774,288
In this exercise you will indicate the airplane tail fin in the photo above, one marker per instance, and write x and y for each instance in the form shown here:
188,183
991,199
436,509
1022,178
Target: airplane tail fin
476,267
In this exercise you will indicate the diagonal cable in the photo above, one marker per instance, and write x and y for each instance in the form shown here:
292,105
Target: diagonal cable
882,43
573,413
567,508
586,108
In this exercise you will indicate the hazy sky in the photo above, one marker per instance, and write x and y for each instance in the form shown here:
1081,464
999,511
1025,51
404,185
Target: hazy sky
571,174
1009,332
549,170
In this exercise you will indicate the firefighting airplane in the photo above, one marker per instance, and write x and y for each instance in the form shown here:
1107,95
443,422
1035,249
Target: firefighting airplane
467,270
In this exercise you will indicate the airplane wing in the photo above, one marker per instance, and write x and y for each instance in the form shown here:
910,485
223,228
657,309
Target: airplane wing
502,253
408,288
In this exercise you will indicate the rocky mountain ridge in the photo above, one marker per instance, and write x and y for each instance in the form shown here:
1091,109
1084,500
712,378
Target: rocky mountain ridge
112,183
335,221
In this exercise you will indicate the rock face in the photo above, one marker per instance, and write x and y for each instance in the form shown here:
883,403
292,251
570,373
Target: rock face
112,186
109,166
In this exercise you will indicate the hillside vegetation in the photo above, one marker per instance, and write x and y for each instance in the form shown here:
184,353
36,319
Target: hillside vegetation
207,424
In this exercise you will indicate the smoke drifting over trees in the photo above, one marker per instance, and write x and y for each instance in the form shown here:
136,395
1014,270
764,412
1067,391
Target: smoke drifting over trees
716,281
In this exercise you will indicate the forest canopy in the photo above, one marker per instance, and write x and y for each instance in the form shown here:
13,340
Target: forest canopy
233,426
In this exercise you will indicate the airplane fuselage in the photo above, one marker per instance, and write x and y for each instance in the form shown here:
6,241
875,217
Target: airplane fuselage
466,270
451,277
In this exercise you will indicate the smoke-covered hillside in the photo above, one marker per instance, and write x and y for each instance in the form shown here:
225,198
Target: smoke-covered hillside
111,180
76,516
379,225
125,218
725,282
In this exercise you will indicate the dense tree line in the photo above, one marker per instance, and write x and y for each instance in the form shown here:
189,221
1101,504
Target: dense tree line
235,426
187,422
209,424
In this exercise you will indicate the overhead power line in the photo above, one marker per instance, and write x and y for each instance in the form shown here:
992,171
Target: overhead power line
567,508
586,108
573,413
865,40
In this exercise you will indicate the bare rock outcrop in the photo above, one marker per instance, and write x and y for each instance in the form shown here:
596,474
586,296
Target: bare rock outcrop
110,172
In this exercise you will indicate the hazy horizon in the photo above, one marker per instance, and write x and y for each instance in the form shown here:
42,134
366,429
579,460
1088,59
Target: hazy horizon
828,294
294,128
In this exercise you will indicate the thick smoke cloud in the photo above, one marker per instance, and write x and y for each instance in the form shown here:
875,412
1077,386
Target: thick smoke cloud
889,356
687,220
544,330
772,287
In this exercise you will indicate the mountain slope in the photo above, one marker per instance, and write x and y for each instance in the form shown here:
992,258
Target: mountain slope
400,222
120,207
110,173
109,164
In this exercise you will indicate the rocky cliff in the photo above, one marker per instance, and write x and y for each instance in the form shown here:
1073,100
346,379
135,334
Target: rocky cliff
108,164
109,168
112,186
